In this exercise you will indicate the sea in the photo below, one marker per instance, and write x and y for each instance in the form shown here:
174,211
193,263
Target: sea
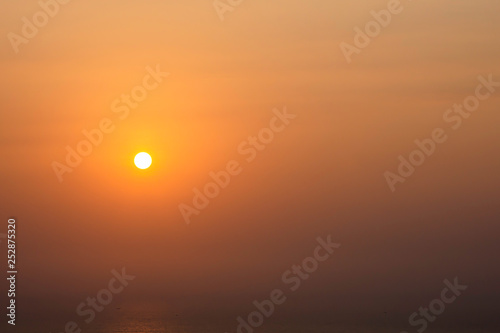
147,320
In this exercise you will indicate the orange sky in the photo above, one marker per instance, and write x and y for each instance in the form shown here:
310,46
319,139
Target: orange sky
322,175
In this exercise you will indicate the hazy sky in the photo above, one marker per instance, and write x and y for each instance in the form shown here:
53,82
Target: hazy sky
323,175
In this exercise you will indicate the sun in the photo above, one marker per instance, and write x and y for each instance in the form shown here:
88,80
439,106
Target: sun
143,160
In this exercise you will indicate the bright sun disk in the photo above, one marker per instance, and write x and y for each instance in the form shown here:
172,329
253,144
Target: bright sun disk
143,160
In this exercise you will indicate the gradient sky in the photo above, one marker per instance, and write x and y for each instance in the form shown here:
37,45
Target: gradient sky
322,175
